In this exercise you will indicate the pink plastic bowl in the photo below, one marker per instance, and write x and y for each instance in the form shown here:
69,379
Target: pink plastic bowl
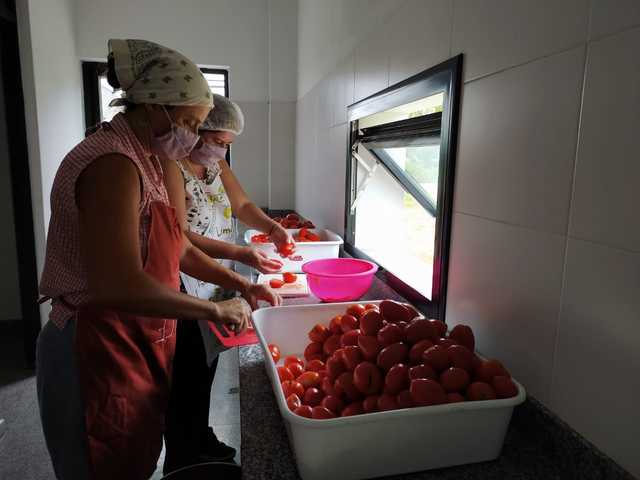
339,279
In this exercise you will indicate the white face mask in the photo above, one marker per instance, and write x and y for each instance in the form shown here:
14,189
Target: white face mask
208,154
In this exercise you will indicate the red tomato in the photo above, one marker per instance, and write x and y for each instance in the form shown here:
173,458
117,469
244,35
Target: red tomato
463,335
334,324
439,327
460,357
328,388
480,391
419,329
397,379
287,249
355,408
293,402
322,413
294,217
333,403
345,386
415,354
313,396
289,277
304,411
290,387
335,367
285,374
350,338
489,369
427,392
315,365
454,379
370,404
309,379
371,322
276,283
371,306
293,359
319,333
296,369
367,378
395,312
351,357
404,399
437,357
423,370
445,342
323,374
369,346
274,350
348,322
332,344
387,402
454,397
313,351
504,387
389,356
356,310
390,333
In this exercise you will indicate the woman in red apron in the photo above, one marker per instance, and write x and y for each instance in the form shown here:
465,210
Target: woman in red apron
114,252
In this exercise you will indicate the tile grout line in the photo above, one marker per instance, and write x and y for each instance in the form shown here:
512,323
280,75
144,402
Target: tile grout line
563,285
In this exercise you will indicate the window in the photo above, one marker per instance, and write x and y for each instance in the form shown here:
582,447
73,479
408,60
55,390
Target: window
400,182
98,93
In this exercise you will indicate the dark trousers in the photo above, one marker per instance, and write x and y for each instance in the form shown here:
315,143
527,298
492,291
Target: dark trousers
187,418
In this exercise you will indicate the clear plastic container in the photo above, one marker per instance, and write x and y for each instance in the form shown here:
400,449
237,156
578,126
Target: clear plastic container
384,443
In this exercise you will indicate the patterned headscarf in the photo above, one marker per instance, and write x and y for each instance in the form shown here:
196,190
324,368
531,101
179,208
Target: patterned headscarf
151,73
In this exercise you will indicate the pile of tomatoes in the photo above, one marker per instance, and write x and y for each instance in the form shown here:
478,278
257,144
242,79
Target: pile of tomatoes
293,220
387,357
306,235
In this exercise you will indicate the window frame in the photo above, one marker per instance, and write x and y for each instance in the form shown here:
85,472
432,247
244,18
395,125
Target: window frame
445,77
91,71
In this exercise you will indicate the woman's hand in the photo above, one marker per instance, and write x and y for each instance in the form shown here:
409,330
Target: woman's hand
234,313
259,260
280,236
255,292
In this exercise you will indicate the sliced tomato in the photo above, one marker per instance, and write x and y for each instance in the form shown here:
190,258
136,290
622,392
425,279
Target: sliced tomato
289,277
276,283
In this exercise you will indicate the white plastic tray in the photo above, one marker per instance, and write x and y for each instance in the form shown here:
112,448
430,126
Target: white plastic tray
327,247
384,443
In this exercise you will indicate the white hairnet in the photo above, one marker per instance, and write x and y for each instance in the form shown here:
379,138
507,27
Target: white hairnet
226,116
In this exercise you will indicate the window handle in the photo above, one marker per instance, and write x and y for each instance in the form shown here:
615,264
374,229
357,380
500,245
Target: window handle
365,182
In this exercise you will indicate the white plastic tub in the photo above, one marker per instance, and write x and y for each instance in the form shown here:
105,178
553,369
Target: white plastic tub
378,444
327,247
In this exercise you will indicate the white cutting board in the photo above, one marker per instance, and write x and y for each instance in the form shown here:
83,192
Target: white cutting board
297,289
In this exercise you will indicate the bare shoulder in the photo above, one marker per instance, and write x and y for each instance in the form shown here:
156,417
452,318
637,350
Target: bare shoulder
109,176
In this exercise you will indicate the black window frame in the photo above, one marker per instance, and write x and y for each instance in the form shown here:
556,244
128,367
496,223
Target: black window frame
91,72
445,77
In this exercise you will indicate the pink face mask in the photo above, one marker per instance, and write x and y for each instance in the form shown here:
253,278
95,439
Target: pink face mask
208,154
177,143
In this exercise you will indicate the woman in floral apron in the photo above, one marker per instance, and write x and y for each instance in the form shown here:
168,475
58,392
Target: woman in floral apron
214,199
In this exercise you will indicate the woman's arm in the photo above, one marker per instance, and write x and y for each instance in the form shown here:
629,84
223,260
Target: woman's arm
247,211
108,198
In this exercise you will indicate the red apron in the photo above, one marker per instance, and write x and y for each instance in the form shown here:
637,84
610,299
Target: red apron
124,366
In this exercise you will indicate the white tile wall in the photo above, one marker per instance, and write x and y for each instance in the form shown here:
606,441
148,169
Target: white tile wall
418,37
283,131
517,143
596,383
342,94
605,206
372,64
305,151
496,34
505,282
250,150
610,16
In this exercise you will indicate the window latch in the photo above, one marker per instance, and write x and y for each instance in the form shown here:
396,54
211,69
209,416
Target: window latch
369,172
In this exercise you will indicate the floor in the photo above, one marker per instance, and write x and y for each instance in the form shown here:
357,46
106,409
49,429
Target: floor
23,454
